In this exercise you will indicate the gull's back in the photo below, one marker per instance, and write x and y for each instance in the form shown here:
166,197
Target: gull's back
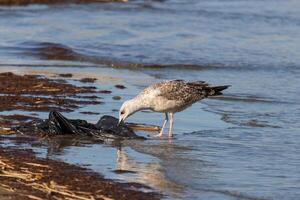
176,95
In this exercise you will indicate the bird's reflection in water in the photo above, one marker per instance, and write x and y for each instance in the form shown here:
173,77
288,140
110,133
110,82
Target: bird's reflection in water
140,170
148,172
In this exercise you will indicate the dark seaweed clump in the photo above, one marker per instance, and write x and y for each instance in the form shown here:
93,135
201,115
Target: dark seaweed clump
38,93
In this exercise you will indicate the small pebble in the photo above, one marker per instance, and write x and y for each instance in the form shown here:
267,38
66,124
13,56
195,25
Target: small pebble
120,86
116,98
68,75
88,80
105,91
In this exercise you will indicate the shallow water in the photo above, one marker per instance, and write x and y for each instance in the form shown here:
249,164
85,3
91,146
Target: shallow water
243,145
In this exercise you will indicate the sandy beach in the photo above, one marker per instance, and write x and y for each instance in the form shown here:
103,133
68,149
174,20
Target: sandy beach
24,176
13,172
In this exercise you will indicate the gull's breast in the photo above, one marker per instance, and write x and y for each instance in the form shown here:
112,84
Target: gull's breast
161,104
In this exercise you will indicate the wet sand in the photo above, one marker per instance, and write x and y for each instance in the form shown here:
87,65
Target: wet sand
5,194
23,176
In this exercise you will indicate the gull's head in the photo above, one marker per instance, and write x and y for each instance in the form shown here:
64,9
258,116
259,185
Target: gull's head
126,110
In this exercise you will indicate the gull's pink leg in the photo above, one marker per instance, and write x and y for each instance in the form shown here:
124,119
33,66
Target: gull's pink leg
171,125
163,126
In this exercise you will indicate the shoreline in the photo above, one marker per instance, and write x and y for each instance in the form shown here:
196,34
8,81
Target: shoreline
24,175
43,176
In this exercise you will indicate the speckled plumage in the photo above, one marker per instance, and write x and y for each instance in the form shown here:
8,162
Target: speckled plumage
175,95
169,97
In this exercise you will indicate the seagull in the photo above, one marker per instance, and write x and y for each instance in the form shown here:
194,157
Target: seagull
169,97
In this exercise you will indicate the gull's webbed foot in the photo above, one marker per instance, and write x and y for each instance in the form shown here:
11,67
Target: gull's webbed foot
159,135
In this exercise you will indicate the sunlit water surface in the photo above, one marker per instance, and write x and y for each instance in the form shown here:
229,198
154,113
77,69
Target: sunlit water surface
243,145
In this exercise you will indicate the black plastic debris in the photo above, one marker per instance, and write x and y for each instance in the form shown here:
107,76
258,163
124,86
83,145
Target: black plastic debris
57,124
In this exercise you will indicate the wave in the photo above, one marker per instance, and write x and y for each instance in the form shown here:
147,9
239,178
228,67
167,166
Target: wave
60,52
28,2
249,99
237,195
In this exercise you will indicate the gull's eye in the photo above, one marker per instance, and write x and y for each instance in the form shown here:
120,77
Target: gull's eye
122,112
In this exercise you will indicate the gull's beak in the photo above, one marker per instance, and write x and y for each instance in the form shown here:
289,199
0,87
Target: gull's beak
120,121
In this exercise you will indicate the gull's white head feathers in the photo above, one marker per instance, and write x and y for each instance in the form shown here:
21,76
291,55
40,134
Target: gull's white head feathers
128,108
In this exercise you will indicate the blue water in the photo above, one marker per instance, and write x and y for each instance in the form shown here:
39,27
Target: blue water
244,145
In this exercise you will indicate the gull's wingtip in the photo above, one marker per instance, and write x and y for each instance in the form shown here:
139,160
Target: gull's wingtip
218,89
